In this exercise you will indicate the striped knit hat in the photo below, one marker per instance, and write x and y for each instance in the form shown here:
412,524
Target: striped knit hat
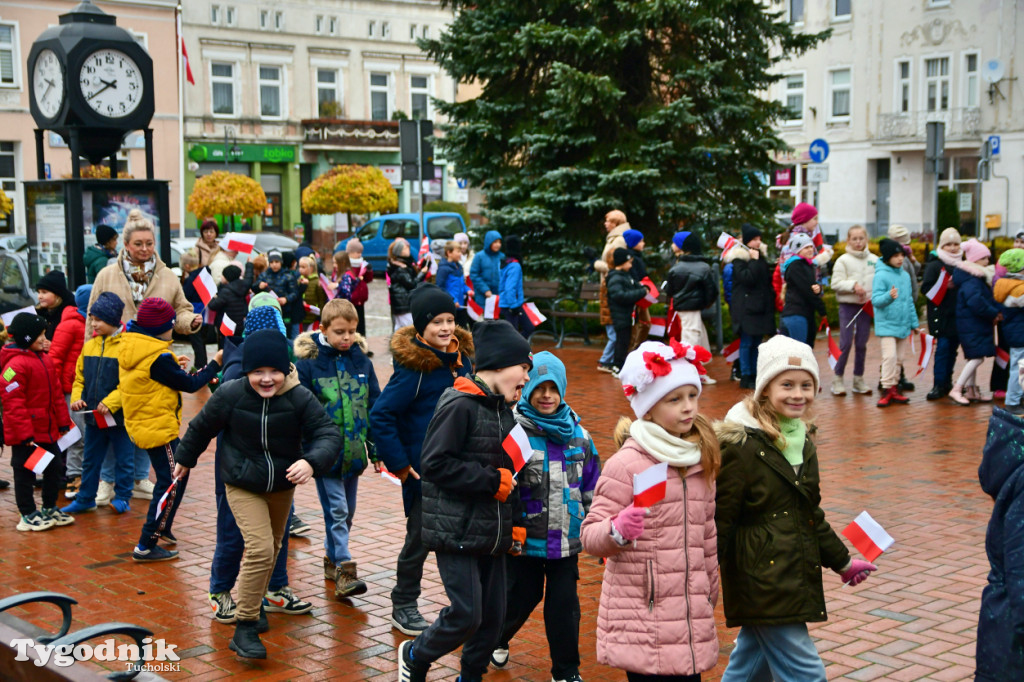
155,316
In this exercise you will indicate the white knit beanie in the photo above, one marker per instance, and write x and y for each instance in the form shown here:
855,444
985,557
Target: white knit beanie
780,354
900,234
949,236
654,370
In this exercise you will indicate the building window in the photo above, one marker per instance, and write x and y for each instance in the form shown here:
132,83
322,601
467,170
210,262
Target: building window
971,80
230,16
419,99
6,163
271,91
794,97
839,84
264,19
278,21
371,29
903,87
841,9
385,29
938,3
9,60
332,26
412,32
936,84
214,14
318,25
328,93
426,32
796,11
222,87
380,93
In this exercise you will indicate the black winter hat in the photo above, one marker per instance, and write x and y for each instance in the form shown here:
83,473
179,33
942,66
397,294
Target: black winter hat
231,273
265,348
749,233
55,281
513,247
426,303
499,345
104,233
288,259
889,248
621,256
692,245
25,328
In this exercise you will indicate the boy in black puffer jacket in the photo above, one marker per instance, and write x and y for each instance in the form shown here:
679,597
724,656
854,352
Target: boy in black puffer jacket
469,502
265,418
623,293
230,300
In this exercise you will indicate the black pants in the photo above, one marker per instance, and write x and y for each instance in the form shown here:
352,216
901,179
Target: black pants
526,577
475,585
623,336
361,324
198,341
25,479
409,571
639,677
162,459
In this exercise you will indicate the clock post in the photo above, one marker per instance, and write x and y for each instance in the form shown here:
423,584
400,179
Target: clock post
92,84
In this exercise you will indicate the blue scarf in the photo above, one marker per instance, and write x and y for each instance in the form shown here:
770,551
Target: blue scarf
558,427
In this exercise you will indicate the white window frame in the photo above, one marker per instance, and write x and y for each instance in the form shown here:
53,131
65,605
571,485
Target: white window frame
965,79
278,20
412,32
230,15
282,83
925,80
830,90
425,32
784,83
264,19
371,29
339,80
428,90
385,30
318,24
937,3
235,80
332,25
215,15
789,13
389,71
899,83
836,18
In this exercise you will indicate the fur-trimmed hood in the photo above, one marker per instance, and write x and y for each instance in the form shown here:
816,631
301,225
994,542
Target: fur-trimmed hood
305,345
741,252
407,352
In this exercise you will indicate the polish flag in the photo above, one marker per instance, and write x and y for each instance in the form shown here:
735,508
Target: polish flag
1002,358
927,345
491,308
184,55
475,310
235,241
726,242
227,326
535,315
104,421
652,294
657,327
868,537
311,309
938,290
162,502
389,477
833,349
732,351
649,485
424,247
325,284
38,460
205,286
517,445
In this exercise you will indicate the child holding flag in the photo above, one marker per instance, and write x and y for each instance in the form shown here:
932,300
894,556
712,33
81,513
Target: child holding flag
937,284
976,313
623,294
752,308
35,416
470,507
556,487
315,296
231,301
510,291
653,518
895,318
771,528
852,275
802,292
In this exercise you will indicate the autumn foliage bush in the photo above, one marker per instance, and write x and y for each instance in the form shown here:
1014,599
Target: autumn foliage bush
224,193
6,205
350,189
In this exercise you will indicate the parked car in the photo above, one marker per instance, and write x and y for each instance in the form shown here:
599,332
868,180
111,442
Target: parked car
14,242
378,233
15,289
265,241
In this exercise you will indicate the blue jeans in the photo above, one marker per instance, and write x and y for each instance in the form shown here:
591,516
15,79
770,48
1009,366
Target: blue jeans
798,327
945,358
785,653
609,348
748,354
162,459
338,500
227,554
99,445
141,457
1013,389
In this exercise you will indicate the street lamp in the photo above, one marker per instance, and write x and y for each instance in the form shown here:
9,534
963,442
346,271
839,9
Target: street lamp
234,152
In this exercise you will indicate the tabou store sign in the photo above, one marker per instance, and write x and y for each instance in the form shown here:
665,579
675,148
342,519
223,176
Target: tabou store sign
245,153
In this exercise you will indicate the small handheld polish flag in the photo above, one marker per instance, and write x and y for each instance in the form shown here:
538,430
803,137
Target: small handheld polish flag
1002,358
649,485
234,241
162,502
389,477
652,294
205,286
867,536
517,445
657,327
491,308
833,349
535,315
927,345
104,421
227,326
69,438
475,310
732,351
38,460
325,285
938,290
726,241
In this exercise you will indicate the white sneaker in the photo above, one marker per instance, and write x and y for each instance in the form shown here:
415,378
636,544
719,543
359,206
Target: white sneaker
104,493
143,489
499,657
838,387
705,379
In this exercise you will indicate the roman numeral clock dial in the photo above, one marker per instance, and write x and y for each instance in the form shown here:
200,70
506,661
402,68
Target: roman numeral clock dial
111,83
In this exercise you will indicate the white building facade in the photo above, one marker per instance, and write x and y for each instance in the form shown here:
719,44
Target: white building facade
869,90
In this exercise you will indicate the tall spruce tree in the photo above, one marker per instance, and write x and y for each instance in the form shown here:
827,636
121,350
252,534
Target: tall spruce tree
656,107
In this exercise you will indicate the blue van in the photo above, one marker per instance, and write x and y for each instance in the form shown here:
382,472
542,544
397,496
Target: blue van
378,233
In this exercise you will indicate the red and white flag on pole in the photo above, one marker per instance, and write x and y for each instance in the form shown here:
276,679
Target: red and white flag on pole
517,445
475,310
235,241
652,294
205,286
938,290
325,284
227,326
424,247
658,326
927,346
162,502
184,54
491,308
1002,358
535,315
650,484
38,460
868,537
732,351
104,421
726,242
833,349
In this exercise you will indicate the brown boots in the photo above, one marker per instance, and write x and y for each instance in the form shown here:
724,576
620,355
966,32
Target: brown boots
346,580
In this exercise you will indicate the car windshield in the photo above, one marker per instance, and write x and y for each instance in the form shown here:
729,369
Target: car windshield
368,231
443,227
401,227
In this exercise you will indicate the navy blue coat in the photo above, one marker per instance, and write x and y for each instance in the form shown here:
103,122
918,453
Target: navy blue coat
1000,645
399,418
976,312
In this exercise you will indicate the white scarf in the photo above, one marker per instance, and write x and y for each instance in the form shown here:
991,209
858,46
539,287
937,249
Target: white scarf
663,446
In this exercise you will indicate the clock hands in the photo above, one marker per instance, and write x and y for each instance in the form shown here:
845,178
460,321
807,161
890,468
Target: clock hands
106,85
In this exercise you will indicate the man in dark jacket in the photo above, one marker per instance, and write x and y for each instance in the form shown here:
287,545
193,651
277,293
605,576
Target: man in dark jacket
753,300
469,502
623,293
230,300
942,316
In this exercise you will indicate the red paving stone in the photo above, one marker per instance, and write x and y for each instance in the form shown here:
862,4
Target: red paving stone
914,468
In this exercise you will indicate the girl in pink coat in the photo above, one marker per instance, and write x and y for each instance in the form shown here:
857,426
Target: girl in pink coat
656,619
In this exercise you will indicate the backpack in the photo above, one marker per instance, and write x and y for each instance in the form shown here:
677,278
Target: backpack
360,293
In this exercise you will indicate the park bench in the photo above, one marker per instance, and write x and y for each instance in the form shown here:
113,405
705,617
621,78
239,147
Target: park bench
544,293
589,292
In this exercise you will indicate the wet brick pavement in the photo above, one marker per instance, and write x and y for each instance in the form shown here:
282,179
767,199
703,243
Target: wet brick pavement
914,468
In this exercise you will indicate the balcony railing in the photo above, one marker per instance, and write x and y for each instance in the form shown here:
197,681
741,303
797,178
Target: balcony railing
345,133
910,126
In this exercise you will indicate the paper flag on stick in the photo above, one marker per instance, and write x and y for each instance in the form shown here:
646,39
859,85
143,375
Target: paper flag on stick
867,536
69,438
475,310
652,294
491,308
1002,358
205,286
389,477
234,241
833,349
162,502
535,315
726,241
38,460
517,445
938,290
104,421
927,345
227,326
325,285
657,327
649,485
732,351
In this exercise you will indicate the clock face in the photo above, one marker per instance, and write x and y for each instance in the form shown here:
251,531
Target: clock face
111,83
48,83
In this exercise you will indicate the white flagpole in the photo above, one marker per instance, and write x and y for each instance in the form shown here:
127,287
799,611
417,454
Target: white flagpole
179,36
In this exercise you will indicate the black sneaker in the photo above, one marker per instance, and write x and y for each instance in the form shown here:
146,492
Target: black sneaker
410,670
605,367
408,620
297,527
168,537
155,553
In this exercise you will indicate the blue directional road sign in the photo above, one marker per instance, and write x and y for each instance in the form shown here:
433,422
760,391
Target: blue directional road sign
994,143
819,151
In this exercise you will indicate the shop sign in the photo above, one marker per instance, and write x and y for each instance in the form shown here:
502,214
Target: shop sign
246,153
783,177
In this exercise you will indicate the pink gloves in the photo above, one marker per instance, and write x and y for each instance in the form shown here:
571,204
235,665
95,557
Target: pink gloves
630,522
858,572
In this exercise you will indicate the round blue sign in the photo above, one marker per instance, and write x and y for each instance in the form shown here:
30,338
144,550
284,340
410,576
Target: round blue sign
819,151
